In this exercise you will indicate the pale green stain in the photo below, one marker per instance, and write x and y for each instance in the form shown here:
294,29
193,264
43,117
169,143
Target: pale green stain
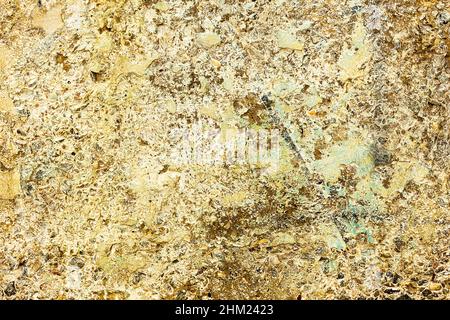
358,227
345,153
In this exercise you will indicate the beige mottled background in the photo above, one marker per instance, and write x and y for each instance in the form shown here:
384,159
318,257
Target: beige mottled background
90,208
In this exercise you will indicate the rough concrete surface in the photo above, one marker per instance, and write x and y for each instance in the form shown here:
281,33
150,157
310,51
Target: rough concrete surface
356,208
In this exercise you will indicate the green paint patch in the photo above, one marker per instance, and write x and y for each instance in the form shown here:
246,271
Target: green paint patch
357,228
352,151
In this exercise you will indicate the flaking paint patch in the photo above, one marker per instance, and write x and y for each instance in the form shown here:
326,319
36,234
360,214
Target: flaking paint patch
127,261
5,57
405,172
10,184
353,58
235,199
352,151
6,104
287,40
49,20
331,235
208,39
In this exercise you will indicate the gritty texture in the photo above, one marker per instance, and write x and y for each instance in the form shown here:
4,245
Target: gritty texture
91,209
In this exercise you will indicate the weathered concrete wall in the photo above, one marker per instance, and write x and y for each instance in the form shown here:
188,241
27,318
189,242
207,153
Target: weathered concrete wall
92,207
